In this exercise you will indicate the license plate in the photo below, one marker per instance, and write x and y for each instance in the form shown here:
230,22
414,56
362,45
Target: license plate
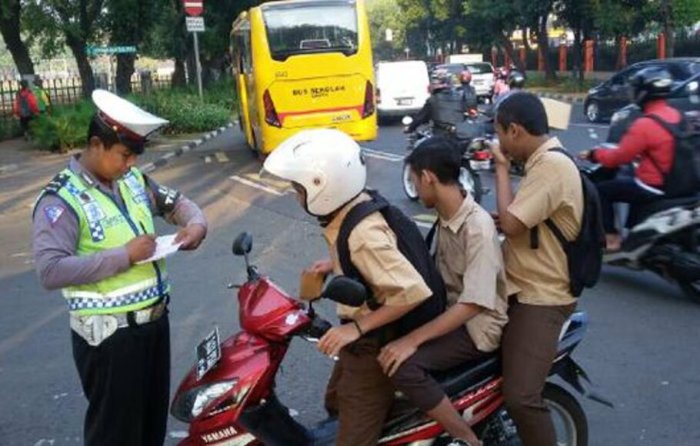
480,165
404,101
208,353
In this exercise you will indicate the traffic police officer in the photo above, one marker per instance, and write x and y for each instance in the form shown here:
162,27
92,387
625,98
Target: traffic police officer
93,225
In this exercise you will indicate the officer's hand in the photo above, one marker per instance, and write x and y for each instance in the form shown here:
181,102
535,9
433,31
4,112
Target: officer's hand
191,236
585,155
141,248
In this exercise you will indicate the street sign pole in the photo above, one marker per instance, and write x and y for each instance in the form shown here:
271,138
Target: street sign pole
195,24
199,66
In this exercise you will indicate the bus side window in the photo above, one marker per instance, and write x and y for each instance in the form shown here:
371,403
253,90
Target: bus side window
246,64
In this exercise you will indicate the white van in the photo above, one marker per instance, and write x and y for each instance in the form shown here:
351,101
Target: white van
402,87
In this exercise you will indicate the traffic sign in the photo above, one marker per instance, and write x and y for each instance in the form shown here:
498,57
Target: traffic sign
195,24
194,7
98,50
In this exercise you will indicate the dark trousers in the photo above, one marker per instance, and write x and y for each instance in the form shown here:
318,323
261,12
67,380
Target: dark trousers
413,378
126,380
529,346
621,189
24,123
360,394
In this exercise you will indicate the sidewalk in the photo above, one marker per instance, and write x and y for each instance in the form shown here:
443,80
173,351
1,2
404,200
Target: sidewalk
574,98
25,169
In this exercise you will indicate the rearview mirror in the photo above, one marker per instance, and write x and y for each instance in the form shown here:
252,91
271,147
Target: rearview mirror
407,120
243,244
346,291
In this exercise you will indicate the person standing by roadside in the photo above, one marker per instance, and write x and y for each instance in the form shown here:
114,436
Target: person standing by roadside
25,107
93,238
537,273
42,98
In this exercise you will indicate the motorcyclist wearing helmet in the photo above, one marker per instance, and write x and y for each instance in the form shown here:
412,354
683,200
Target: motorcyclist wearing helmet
516,80
645,140
445,107
469,97
328,172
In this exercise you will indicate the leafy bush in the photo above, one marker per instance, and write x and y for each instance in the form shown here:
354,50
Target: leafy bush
186,112
64,129
9,128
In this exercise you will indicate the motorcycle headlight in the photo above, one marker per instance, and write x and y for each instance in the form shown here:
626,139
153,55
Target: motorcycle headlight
192,403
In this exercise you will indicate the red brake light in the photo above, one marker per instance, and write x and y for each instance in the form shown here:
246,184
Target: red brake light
481,155
270,112
368,106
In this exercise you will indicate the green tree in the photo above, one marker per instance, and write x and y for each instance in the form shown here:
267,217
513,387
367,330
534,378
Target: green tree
672,14
386,15
580,16
127,23
10,28
73,22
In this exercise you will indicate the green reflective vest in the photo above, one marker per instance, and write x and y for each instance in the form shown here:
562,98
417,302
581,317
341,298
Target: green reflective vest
104,225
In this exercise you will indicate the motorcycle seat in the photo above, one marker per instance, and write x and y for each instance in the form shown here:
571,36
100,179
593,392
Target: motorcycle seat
638,213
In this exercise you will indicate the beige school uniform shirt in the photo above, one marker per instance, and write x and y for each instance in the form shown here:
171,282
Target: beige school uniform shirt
552,189
374,252
471,264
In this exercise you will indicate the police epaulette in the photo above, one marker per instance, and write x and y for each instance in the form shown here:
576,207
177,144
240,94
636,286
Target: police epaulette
56,183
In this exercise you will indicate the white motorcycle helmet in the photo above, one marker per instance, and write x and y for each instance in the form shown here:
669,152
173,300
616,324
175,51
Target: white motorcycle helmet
327,163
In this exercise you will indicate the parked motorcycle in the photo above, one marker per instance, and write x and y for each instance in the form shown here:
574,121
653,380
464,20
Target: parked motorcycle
229,395
663,236
471,141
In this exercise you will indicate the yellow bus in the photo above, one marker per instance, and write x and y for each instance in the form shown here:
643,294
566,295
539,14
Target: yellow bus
302,64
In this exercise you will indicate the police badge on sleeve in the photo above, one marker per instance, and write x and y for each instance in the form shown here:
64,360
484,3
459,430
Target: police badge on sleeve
54,213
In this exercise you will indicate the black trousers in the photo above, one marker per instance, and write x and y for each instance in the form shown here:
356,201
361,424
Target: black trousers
126,380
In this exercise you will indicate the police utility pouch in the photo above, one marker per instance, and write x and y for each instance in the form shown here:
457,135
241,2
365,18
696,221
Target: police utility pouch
94,329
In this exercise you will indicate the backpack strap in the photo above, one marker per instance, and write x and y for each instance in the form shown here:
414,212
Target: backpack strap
535,232
670,128
431,234
352,219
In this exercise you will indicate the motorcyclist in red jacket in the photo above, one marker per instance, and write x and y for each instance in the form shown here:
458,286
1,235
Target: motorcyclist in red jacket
646,141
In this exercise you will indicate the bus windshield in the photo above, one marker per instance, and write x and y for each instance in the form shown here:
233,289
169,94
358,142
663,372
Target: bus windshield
311,28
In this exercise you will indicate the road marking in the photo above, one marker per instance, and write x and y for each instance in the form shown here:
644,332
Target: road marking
597,126
429,218
386,156
221,157
422,224
281,185
255,185
592,134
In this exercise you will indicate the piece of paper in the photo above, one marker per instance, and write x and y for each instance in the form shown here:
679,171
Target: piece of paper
165,245
558,113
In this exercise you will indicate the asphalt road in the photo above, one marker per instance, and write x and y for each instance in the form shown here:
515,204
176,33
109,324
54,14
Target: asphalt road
640,350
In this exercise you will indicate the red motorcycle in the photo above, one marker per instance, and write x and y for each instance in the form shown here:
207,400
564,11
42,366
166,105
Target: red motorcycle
228,397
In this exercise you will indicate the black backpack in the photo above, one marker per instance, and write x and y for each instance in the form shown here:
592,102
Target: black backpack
584,254
411,244
683,179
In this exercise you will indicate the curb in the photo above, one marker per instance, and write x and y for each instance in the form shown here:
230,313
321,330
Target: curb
560,97
163,160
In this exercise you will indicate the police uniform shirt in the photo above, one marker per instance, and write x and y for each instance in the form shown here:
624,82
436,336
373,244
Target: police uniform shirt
56,234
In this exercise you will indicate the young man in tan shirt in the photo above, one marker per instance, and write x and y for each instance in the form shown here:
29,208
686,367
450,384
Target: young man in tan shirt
328,173
538,276
468,256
